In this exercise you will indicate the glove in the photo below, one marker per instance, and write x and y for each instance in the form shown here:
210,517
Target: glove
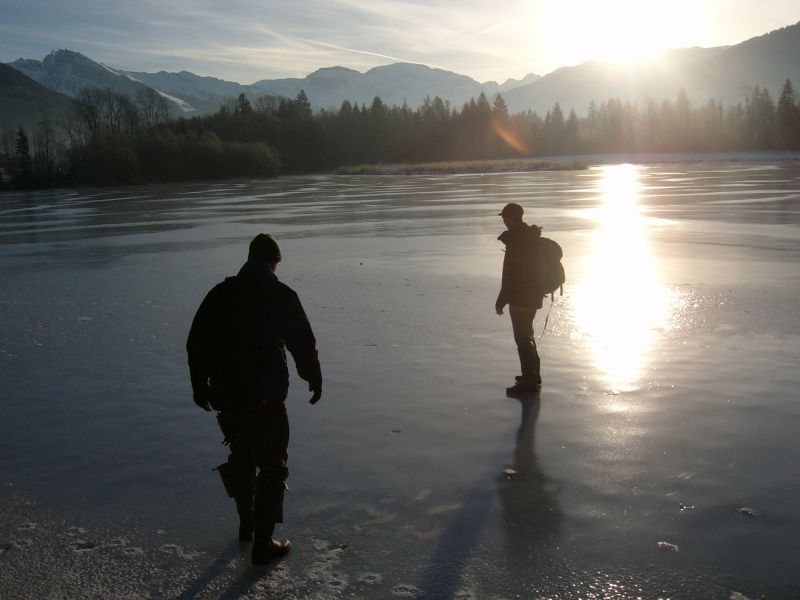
200,397
316,388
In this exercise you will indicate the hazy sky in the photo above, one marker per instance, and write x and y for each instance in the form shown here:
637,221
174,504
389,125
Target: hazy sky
248,40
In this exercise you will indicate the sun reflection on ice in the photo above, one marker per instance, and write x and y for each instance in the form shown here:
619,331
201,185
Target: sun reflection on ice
621,304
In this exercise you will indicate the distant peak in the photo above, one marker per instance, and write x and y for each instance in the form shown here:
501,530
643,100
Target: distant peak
401,66
65,55
64,52
526,79
333,71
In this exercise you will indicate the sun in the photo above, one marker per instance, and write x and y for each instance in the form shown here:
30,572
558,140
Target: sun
617,30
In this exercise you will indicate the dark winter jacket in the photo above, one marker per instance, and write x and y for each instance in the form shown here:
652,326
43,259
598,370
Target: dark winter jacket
518,287
238,338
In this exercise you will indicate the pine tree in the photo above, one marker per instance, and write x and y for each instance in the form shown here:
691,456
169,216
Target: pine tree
303,104
760,119
22,156
243,106
500,108
788,119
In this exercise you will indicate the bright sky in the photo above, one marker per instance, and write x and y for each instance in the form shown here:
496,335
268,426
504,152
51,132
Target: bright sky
248,40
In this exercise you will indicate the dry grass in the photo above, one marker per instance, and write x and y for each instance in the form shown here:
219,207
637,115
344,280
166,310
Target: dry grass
453,167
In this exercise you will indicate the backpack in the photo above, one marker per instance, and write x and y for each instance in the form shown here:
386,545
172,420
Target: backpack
550,272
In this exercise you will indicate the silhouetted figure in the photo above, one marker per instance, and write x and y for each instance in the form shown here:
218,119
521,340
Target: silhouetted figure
237,362
519,291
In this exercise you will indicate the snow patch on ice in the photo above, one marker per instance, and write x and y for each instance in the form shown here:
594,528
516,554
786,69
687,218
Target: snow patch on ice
179,551
404,590
323,572
747,511
370,578
132,551
668,546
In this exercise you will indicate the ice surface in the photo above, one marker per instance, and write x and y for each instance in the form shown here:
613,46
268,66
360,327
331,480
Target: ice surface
668,407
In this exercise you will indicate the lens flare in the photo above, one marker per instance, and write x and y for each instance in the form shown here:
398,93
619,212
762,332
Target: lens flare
510,137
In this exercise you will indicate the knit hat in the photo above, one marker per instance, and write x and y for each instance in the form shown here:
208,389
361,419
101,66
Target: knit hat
512,210
264,247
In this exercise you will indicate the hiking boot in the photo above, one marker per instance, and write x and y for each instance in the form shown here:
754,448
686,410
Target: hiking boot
523,387
267,550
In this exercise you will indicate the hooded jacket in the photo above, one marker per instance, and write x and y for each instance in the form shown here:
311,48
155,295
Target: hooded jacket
239,335
519,288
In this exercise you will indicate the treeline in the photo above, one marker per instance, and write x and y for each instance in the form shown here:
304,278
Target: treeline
113,139
357,134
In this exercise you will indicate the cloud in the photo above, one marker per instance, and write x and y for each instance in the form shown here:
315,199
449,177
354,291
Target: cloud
363,52
254,39
250,39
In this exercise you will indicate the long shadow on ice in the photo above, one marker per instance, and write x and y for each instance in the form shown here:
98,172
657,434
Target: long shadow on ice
219,567
456,544
531,513
215,569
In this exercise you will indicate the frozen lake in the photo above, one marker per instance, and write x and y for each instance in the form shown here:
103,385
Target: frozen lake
669,411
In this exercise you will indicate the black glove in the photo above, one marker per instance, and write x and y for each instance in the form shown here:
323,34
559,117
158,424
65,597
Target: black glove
316,388
200,397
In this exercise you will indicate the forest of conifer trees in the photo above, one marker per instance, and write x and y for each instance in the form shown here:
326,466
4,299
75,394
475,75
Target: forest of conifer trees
112,139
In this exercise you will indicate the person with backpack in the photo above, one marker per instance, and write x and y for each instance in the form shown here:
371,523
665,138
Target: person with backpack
237,362
522,291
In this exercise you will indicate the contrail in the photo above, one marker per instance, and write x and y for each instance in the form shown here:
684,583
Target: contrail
365,52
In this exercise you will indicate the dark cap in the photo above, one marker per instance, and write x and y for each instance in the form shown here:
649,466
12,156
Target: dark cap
512,210
264,247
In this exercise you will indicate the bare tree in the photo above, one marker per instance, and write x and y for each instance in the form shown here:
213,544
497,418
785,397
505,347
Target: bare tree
44,148
266,103
153,108
87,109
99,112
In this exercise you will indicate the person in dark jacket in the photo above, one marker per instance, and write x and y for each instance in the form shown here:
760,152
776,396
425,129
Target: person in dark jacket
237,363
519,291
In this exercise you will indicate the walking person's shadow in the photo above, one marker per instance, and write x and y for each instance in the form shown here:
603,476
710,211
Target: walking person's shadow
531,513
207,581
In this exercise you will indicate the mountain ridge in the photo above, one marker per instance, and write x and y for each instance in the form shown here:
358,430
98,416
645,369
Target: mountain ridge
722,73
23,101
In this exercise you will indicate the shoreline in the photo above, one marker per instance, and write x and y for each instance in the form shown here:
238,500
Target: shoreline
543,164
466,167
577,162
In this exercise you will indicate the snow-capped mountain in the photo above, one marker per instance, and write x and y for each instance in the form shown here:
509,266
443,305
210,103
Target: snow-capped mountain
69,72
722,73
330,86
202,94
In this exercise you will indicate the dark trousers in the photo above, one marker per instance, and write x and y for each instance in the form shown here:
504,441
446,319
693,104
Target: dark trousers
522,324
256,470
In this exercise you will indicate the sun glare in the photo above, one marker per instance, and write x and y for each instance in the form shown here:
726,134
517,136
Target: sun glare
617,30
621,304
